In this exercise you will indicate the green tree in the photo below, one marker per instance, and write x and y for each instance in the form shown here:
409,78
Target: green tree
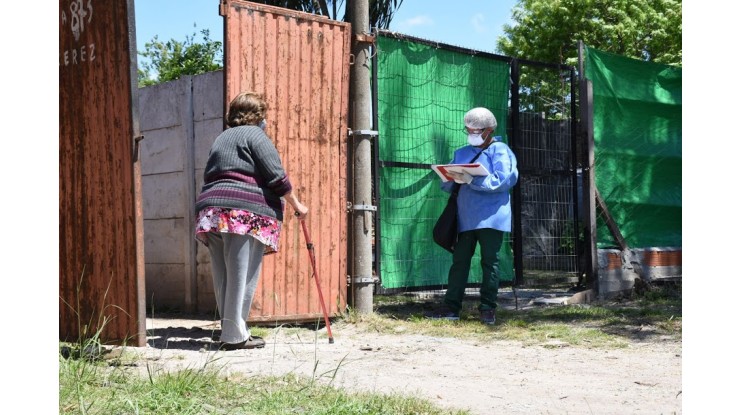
381,11
170,60
549,30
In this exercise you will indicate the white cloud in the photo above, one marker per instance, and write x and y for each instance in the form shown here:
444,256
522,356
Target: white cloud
478,21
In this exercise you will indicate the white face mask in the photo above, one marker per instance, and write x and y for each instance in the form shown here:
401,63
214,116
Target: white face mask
475,139
263,124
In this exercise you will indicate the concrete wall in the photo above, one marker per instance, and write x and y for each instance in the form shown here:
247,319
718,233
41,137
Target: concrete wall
618,270
179,121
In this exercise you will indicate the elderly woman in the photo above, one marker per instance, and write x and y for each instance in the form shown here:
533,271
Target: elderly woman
240,213
484,214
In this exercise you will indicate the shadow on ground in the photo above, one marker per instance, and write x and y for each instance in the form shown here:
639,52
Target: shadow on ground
188,331
656,316
193,338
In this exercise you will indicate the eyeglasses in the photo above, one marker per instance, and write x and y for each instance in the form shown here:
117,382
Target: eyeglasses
467,130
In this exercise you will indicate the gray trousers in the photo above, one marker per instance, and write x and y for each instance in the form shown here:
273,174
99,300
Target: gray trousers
236,261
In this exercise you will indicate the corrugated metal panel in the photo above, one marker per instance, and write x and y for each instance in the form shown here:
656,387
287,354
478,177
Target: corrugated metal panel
100,250
300,62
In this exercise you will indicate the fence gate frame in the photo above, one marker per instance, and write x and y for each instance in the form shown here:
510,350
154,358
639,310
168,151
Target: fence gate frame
525,171
514,132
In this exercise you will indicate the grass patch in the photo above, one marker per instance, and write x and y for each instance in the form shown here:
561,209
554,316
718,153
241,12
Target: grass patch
653,316
89,384
94,388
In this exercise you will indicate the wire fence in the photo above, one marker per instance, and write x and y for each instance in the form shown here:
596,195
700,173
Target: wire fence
422,92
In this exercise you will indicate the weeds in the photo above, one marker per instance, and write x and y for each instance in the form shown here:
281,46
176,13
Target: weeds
111,391
656,314
90,385
96,386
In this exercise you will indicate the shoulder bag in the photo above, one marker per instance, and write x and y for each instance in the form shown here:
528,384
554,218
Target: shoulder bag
445,230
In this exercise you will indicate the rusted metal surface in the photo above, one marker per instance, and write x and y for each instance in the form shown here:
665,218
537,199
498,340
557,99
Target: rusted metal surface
300,62
614,261
661,258
100,223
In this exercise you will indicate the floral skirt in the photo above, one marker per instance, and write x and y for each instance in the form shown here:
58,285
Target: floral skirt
216,219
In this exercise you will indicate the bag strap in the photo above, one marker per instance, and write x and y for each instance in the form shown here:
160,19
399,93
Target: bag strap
456,189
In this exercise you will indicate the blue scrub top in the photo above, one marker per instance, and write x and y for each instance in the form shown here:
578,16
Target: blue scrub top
485,202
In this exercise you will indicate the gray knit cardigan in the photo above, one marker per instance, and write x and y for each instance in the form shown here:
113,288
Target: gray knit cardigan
244,172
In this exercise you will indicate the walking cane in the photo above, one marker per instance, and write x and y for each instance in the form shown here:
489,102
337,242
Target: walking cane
309,246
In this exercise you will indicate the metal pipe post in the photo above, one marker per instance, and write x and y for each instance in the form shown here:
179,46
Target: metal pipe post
361,280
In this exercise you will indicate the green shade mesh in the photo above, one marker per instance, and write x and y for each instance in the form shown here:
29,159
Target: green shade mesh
423,94
637,148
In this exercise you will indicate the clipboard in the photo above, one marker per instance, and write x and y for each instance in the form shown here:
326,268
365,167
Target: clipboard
473,169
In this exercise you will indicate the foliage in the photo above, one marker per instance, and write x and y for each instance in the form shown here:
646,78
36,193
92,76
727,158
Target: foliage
168,61
171,60
381,11
549,30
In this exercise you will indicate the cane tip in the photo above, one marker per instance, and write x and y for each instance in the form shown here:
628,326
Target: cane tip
331,340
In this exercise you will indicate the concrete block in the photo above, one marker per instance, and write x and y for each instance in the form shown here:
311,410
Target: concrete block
661,263
208,96
164,241
163,150
198,182
161,106
583,297
202,256
206,297
617,272
165,287
164,196
205,134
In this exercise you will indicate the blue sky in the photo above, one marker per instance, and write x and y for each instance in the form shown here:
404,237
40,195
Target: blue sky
472,24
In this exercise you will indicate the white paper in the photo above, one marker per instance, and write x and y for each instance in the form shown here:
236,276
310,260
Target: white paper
473,169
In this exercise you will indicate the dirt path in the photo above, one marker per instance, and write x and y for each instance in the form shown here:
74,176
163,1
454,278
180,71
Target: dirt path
491,378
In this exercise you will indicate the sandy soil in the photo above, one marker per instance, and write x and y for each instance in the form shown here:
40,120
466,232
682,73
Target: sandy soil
500,377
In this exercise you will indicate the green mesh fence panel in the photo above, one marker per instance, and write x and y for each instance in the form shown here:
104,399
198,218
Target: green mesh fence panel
637,148
423,94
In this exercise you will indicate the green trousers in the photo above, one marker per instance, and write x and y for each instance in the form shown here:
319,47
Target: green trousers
490,241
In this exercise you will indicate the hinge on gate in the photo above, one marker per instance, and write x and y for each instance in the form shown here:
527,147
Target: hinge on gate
137,140
365,38
362,279
363,133
351,207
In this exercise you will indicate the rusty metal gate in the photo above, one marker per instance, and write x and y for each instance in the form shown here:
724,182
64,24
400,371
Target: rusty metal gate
101,264
300,62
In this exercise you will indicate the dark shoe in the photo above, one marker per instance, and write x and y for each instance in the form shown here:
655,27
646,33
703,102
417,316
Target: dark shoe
488,316
253,342
443,313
